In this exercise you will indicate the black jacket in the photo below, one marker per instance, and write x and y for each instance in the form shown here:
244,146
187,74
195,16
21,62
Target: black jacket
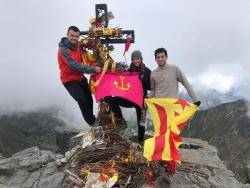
145,79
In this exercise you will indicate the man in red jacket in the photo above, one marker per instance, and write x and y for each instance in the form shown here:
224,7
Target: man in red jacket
72,73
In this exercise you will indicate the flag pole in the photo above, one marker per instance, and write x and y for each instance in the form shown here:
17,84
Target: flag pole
126,63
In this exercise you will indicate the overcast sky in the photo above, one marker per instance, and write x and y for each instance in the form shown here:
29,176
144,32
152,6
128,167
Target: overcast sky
209,40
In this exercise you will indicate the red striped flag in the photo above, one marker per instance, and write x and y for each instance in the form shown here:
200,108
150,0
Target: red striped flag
169,117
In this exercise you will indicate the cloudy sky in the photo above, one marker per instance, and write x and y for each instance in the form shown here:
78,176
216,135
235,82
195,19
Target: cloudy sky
208,39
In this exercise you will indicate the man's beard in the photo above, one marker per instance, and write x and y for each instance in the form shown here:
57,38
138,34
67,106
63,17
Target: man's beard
73,42
162,64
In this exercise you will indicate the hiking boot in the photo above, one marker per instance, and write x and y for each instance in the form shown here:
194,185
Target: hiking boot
121,124
95,123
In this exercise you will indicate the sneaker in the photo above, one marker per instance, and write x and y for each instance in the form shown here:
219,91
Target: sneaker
98,133
164,181
121,123
141,145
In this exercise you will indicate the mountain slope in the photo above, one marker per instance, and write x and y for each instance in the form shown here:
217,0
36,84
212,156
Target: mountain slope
228,128
39,128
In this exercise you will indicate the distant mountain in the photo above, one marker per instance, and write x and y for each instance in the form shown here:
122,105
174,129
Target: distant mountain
39,128
227,127
211,98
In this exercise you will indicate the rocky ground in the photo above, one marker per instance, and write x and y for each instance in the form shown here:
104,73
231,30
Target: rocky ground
40,128
31,167
37,168
23,166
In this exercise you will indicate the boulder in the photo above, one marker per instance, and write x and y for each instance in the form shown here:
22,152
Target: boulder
53,181
31,167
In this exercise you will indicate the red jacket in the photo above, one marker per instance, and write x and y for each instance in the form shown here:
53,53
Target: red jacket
70,62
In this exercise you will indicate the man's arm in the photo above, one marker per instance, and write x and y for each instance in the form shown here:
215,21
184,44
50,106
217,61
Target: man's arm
182,78
148,72
152,87
76,66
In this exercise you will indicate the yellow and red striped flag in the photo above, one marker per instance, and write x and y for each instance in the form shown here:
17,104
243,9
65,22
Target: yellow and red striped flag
169,117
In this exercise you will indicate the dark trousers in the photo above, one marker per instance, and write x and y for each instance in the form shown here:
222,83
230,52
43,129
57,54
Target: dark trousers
116,102
82,95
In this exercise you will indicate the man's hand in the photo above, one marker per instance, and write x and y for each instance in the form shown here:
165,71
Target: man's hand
198,103
97,69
